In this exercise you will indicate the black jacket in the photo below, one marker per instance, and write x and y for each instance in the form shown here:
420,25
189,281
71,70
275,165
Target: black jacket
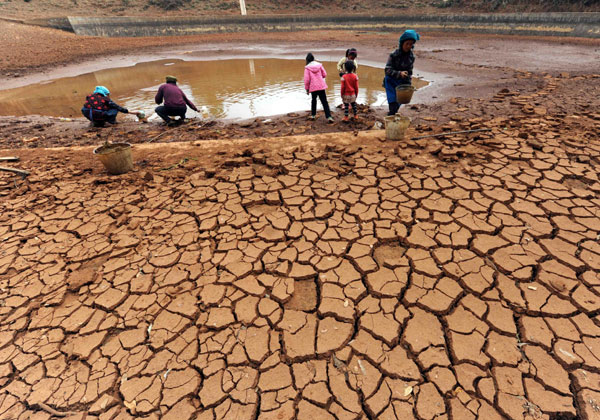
400,61
111,104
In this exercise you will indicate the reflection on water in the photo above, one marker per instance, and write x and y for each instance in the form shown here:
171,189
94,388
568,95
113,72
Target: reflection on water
237,88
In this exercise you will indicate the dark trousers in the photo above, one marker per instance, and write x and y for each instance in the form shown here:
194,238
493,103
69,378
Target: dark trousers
165,112
354,110
323,98
390,85
100,117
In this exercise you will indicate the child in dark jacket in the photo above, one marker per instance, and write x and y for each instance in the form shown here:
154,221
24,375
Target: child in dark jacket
349,89
399,68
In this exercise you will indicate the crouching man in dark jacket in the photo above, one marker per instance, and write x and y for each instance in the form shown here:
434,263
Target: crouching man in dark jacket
99,108
175,101
399,68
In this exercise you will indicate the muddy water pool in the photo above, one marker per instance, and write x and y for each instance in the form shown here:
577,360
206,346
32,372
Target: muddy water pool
224,89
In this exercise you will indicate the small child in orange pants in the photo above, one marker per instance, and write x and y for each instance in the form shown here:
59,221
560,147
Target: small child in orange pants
349,89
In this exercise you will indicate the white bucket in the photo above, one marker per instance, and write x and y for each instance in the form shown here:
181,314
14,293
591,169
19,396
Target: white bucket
395,126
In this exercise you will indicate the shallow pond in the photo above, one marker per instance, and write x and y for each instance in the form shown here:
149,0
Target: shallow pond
229,89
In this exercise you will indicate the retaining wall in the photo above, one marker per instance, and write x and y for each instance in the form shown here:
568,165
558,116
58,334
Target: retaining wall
57,23
553,24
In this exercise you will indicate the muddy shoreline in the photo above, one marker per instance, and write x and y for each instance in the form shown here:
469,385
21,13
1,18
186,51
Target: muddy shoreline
472,68
467,74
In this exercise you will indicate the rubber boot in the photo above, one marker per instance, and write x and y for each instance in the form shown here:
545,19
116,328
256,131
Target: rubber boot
394,107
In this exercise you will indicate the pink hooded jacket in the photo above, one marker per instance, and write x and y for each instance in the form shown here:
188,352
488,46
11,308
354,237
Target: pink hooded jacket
314,77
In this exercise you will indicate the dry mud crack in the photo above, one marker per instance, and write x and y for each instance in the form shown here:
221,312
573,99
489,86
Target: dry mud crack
342,278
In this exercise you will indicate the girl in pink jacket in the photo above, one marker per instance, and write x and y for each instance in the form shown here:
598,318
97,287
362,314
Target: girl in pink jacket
314,83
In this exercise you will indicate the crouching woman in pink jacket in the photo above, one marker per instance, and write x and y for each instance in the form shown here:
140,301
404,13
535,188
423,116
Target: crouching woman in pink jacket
314,83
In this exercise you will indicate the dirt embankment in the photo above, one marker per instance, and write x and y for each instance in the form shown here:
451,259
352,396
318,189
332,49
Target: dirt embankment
43,9
25,49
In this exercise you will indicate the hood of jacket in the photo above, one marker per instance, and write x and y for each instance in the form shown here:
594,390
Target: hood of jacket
313,66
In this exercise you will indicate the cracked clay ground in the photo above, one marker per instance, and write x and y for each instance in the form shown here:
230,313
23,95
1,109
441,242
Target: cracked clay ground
334,276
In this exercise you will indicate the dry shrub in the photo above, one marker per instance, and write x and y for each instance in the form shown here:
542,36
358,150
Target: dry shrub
168,4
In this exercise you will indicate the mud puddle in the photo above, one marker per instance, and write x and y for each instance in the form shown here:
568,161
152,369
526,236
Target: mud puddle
224,89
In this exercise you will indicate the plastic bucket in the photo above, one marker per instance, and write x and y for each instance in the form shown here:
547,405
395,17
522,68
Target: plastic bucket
404,93
395,126
116,157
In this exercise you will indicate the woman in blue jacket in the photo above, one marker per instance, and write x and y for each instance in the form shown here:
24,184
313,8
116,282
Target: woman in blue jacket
399,68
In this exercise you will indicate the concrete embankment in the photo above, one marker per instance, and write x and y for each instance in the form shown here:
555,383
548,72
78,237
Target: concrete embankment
546,24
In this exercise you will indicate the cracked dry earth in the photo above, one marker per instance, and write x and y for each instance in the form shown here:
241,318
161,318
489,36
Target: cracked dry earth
313,278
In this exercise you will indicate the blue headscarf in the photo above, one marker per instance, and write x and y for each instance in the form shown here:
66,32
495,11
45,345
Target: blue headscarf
102,90
409,34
